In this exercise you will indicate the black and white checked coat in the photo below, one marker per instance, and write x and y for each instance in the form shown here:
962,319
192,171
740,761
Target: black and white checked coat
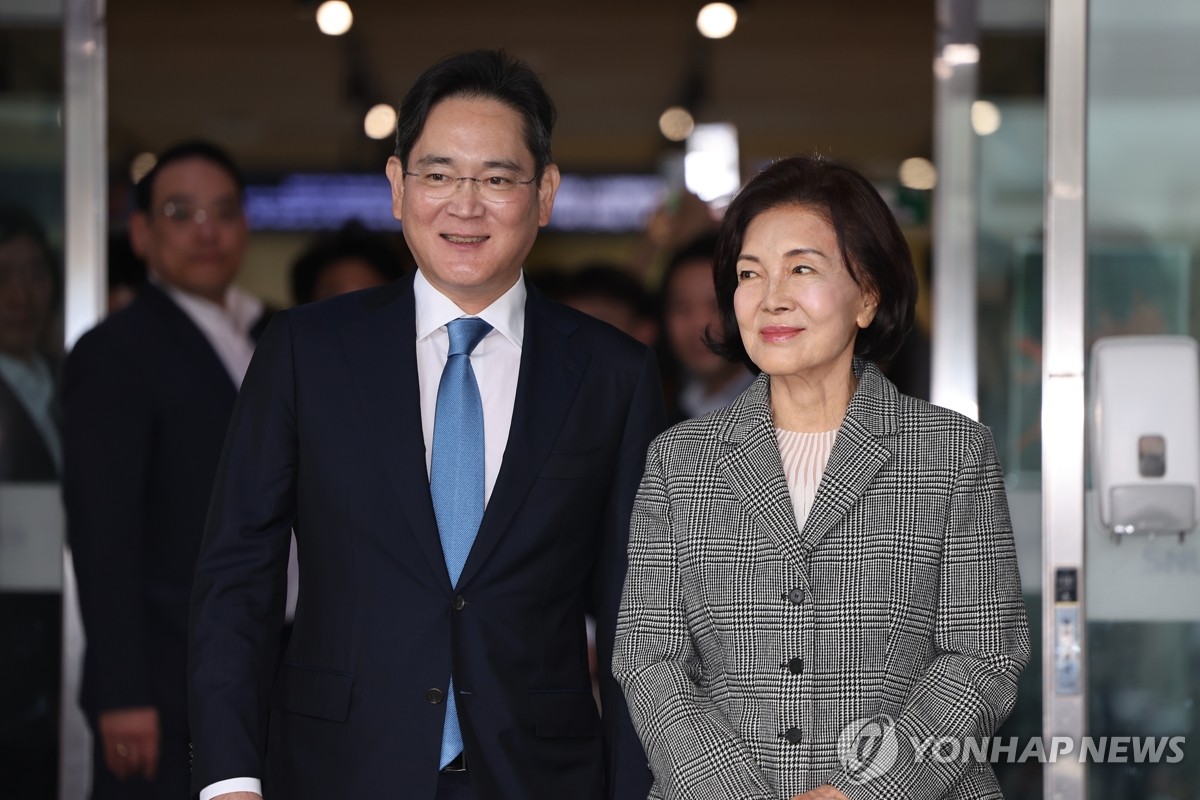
910,603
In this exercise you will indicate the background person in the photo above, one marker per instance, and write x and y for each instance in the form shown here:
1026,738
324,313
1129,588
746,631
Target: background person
825,550
612,294
705,380
345,260
30,452
147,398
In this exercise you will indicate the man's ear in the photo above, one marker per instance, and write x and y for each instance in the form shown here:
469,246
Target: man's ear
547,188
395,174
139,233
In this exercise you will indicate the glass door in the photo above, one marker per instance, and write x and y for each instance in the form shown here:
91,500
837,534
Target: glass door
1143,239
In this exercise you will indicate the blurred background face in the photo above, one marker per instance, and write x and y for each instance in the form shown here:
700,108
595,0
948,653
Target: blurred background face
346,275
194,236
690,307
26,293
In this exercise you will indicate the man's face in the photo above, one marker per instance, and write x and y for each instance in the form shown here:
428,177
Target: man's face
469,245
194,236
26,292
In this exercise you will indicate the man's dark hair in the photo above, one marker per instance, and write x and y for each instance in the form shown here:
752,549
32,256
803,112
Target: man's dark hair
483,74
872,247
352,240
611,282
144,191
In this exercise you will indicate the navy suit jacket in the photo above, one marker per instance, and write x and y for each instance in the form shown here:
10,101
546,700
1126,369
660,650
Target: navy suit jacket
146,404
326,437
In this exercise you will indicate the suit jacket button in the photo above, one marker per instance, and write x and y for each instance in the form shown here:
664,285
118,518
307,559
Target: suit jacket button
796,666
794,735
435,696
459,602
796,595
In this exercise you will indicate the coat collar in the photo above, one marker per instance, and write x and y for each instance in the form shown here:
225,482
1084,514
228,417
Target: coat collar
753,466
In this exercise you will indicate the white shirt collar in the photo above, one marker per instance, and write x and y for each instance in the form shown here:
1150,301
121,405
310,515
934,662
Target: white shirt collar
241,309
506,313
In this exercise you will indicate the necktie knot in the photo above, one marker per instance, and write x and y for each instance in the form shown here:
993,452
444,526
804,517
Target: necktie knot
465,334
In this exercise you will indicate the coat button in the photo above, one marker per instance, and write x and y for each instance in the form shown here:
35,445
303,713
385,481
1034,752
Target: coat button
435,696
796,666
795,595
794,735
459,602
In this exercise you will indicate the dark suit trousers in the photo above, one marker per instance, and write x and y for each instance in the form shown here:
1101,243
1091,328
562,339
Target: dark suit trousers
455,786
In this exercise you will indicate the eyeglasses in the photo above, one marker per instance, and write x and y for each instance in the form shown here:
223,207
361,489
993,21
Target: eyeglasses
181,213
439,185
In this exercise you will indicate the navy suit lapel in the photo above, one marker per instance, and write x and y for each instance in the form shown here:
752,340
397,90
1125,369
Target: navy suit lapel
381,349
177,323
551,373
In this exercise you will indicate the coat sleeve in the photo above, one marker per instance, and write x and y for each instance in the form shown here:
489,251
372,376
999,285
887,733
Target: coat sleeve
981,642
693,751
627,774
237,598
107,436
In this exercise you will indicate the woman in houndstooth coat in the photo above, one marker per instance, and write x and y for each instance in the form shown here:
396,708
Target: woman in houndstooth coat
822,581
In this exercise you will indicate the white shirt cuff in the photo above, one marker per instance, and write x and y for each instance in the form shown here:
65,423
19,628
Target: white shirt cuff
231,785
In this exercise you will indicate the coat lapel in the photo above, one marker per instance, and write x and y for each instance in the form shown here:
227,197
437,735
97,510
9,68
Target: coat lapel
754,469
858,453
380,347
551,373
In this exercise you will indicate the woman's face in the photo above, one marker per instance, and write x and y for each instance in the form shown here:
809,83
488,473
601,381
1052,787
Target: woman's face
797,307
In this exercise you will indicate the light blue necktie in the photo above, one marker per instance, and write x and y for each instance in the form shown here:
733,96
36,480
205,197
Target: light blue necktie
456,475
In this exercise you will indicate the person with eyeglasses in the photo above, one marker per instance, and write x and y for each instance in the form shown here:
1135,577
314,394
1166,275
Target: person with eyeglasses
147,396
458,456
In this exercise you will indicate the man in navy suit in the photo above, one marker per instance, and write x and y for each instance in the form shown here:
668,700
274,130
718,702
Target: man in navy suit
435,654
147,398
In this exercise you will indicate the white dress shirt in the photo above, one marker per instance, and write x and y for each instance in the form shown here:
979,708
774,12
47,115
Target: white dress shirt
496,361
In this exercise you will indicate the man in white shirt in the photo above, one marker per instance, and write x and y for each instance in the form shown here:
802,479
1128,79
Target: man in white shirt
147,398
458,456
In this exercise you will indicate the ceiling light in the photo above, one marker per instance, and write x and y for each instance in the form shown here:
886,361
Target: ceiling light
985,117
960,54
676,123
717,20
918,173
380,121
140,165
334,17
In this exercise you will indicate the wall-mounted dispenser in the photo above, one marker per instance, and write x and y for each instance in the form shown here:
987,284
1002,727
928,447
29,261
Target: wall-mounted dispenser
1144,420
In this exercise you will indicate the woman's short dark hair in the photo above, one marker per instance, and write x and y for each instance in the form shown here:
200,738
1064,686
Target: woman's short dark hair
489,74
872,247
